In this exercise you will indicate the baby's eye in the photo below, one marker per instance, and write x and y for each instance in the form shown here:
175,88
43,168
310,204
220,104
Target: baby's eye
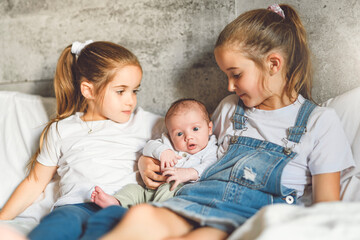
179,134
195,129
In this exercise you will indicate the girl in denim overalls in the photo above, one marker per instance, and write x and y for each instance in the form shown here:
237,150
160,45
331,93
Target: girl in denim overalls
273,141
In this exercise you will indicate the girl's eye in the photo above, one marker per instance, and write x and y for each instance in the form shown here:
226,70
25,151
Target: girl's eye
236,76
136,91
195,129
120,92
179,134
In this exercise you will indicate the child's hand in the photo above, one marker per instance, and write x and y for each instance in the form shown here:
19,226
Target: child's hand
180,175
168,159
150,172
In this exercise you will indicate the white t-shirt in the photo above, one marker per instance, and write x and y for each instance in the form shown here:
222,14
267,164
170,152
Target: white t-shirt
324,148
107,157
199,161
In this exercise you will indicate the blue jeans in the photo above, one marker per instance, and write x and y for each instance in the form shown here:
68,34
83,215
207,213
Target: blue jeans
71,221
103,221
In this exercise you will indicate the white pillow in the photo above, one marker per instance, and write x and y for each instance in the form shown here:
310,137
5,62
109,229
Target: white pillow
22,119
347,106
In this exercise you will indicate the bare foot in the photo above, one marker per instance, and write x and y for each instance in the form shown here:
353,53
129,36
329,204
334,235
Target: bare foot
8,233
103,199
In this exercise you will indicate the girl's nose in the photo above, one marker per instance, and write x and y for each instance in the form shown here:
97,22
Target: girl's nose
231,86
130,100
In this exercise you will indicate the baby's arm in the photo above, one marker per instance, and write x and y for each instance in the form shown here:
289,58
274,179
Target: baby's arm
161,150
326,187
180,175
27,191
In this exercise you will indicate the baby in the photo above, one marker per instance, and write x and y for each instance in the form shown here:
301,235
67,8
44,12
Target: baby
185,151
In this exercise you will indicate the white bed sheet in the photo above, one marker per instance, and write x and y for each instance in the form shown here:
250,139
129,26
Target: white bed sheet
323,221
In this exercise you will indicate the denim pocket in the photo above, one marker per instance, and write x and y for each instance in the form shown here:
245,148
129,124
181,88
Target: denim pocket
254,170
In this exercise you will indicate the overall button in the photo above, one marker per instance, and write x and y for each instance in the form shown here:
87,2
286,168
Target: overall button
184,155
233,139
289,199
287,151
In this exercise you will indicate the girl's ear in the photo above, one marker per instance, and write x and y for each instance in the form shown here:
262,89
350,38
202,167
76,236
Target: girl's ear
275,63
87,89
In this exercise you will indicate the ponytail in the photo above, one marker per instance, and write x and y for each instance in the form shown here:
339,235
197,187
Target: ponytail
299,72
67,87
68,96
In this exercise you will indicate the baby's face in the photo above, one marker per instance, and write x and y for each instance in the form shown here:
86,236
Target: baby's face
189,131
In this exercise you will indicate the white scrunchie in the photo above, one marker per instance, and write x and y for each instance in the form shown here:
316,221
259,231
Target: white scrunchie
78,46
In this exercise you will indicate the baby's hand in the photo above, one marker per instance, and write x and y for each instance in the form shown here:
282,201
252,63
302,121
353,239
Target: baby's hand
168,159
180,175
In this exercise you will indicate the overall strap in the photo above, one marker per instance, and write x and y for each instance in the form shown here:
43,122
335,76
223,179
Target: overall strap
299,129
239,118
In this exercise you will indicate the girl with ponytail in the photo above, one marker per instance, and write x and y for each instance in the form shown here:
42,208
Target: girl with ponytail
274,142
94,139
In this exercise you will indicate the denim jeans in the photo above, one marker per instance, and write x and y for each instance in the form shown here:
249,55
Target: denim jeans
74,221
102,222
64,222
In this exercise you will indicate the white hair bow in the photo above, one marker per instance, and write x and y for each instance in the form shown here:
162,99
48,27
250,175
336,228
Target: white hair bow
78,46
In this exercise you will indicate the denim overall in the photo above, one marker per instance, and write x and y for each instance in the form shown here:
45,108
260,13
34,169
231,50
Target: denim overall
244,180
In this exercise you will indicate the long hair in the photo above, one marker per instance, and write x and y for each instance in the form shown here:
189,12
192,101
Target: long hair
260,31
97,63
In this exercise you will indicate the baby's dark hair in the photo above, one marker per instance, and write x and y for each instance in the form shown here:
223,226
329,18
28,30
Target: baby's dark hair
186,103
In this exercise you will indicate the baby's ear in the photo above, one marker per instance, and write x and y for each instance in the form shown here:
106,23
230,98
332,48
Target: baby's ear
210,128
87,89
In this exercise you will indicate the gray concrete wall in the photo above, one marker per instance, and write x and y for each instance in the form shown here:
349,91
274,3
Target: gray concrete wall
172,38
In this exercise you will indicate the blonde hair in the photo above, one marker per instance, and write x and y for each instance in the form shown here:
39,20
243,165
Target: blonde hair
260,31
97,62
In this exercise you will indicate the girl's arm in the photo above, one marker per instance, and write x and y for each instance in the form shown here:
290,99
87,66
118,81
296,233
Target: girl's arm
27,191
326,187
149,169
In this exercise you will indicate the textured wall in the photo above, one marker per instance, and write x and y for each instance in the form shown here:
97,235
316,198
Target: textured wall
172,38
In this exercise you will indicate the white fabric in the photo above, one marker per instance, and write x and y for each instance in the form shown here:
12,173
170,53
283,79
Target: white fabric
106,157
319,149
76,47
347,107
323,221
21,122
22,119
199,161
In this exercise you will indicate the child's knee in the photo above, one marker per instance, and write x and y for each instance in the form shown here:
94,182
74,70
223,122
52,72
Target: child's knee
141,211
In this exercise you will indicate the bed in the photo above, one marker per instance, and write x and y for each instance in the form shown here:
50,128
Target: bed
23,117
